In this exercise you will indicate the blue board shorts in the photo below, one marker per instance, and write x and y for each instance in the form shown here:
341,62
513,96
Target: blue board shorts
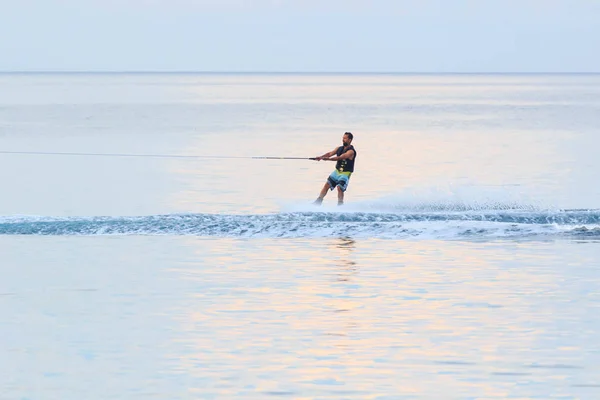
337,178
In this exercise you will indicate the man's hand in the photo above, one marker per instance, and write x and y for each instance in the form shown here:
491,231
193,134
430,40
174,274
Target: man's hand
318,158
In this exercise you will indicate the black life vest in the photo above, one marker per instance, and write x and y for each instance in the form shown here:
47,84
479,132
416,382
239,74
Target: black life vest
347,164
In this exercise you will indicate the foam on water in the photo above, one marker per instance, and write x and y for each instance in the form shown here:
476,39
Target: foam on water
434,221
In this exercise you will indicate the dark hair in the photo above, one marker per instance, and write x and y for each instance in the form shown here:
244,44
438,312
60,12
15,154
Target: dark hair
350,135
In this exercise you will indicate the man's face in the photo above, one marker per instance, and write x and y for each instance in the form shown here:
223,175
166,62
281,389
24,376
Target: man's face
346,140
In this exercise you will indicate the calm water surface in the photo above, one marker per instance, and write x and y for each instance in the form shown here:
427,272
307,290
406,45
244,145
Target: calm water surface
463,265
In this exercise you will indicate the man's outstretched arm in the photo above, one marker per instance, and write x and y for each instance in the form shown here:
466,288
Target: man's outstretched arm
326,155
347,155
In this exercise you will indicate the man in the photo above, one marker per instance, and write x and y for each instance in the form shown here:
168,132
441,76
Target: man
345,155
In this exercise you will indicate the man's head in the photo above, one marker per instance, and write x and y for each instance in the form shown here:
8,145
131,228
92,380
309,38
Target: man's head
347,139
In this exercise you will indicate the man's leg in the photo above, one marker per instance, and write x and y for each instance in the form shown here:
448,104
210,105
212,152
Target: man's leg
324,191
340,196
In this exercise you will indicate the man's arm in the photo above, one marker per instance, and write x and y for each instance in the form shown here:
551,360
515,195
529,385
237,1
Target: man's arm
347,155
326,155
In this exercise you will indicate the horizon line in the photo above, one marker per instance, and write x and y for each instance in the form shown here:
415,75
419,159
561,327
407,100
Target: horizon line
241,72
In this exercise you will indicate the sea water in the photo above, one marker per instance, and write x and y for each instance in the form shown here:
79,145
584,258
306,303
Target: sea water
145,254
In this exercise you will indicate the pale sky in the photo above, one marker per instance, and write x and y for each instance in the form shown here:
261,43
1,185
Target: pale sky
301,35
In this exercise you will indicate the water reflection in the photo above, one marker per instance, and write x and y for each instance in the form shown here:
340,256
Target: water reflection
345,247
312,317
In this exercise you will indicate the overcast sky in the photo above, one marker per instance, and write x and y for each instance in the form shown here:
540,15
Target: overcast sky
301,35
